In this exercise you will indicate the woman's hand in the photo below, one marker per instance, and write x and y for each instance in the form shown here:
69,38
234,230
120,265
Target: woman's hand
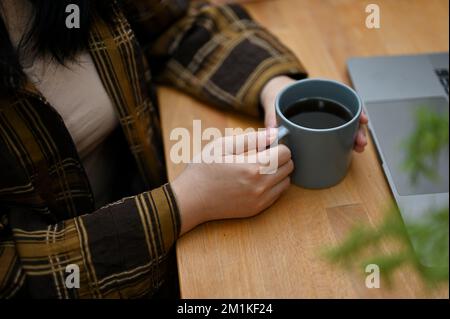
213,191
269,94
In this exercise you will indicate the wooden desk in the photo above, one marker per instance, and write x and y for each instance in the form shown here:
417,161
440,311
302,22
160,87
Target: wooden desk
277,254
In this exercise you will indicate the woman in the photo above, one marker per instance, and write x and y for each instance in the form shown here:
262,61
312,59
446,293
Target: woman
82,176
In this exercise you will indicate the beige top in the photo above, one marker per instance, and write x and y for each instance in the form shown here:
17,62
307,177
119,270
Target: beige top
78,95
75,90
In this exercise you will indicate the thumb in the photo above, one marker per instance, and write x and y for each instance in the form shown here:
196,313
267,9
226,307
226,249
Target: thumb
270,119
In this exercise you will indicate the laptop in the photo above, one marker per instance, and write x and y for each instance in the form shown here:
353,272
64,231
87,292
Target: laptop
392,89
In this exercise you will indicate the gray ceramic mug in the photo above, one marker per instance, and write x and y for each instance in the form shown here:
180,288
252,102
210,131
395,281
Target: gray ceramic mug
321,156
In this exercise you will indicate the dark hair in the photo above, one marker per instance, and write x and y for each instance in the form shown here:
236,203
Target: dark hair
48,35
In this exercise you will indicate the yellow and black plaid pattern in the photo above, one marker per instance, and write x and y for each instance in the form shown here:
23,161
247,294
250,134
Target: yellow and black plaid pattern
47,215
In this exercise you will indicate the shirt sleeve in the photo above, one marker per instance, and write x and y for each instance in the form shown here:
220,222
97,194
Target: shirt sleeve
120,250
216,53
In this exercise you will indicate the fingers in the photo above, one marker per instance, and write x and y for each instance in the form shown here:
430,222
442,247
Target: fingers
238,144
270,120
281,152
361,140
274,193
358,149
363,119
283,171
274,157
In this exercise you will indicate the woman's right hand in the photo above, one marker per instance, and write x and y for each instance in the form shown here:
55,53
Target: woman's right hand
214,191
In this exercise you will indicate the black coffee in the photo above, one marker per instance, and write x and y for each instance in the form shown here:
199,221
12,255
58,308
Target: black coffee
318,113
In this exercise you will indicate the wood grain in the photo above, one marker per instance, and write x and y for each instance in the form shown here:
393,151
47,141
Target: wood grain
278,253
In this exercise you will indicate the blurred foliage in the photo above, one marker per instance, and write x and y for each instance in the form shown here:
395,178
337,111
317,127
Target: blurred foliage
426,143
431,233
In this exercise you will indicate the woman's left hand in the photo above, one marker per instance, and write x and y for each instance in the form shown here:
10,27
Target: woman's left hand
269,94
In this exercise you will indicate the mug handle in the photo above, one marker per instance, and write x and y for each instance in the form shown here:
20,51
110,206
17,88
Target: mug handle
282,132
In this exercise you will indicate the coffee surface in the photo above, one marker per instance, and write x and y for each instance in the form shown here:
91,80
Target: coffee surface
318,113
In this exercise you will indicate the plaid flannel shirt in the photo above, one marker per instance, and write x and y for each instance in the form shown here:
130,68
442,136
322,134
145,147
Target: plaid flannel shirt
47,216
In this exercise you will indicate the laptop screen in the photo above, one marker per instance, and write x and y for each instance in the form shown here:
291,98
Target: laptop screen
393,122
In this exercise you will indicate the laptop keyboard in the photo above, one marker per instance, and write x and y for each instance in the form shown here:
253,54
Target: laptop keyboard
443,77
